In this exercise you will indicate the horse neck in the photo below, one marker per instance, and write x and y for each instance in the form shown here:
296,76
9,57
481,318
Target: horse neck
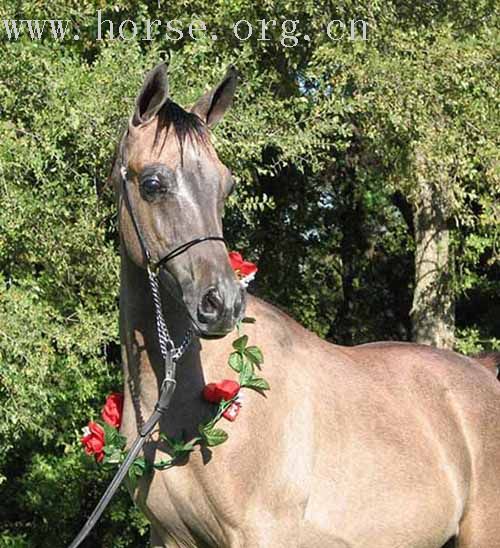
142,360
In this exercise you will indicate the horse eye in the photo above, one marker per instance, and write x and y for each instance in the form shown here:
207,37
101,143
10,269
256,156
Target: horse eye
151,185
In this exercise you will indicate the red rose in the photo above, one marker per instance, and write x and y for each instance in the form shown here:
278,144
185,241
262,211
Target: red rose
112,410
241,267
93,440
223,390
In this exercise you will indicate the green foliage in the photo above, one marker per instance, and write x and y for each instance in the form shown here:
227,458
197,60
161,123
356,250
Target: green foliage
324,141
213,436
243,360
58,281
469,341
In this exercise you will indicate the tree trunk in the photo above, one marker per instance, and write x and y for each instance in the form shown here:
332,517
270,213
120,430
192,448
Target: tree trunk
433,310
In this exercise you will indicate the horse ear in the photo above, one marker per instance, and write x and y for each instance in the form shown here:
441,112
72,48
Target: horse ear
153,95
212,106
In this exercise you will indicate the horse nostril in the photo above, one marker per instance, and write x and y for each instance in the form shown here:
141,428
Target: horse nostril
211,301
211,305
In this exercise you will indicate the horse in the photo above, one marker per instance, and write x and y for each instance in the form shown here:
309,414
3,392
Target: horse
381,445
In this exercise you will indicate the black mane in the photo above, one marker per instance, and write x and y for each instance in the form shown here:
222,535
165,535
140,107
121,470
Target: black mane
184,123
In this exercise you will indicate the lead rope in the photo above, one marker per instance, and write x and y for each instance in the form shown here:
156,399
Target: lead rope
170,355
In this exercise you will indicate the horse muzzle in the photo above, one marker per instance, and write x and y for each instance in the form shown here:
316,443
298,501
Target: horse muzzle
219,308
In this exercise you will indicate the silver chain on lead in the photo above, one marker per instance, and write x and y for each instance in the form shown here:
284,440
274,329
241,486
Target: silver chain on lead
179,351
165,341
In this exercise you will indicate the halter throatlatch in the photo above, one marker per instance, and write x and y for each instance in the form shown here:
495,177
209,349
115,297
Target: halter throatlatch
169,352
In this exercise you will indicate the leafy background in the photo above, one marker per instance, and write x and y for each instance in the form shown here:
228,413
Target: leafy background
322,141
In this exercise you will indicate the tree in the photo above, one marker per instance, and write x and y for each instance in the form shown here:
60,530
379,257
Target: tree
423,98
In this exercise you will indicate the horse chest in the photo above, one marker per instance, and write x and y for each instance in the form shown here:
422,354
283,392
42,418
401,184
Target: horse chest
193,504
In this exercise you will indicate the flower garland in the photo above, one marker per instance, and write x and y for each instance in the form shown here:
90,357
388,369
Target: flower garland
103,440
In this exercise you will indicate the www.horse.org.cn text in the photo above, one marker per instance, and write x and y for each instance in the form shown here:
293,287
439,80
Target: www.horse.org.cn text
289,32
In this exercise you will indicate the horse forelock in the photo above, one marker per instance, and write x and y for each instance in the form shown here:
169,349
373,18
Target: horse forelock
184,124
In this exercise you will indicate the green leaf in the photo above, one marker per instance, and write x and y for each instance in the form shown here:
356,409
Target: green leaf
140,465
115,457
138,468
179,446
214,436
254,353
190,445
173,443
120,440
246,373
110,434
236,361
257,383
240,343
132,476
165,463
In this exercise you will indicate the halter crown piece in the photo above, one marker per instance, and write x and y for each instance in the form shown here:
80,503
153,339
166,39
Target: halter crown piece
169,352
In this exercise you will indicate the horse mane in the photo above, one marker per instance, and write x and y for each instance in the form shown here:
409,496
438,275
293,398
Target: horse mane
185,124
